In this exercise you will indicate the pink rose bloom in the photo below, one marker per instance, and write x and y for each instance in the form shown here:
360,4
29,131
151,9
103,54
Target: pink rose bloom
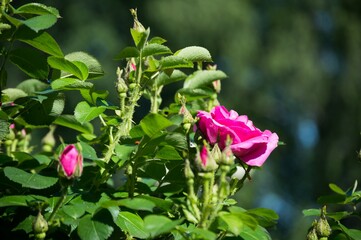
249,144
71,161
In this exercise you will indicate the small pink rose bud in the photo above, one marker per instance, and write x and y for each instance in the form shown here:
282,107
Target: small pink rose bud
204,156
205,160
71,162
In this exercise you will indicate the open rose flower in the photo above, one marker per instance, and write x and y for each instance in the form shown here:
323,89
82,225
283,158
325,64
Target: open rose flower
248,143
71,161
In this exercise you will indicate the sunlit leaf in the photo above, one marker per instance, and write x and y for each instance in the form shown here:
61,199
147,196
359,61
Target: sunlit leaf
95,70
164,79
203,77
70,122
41,22
195,54
132,224
37,8
171,62
84,112
155,49
336,189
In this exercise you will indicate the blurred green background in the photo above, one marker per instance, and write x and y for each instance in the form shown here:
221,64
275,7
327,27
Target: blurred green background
293,67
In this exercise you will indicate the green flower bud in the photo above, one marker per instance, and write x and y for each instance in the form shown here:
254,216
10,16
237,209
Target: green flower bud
312,235
40,225
323,229
40,236
121,85
187,170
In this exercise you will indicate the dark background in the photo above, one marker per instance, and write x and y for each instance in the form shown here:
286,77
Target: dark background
293,67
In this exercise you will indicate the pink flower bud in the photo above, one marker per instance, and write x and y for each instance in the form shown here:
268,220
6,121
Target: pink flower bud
71,162
204,156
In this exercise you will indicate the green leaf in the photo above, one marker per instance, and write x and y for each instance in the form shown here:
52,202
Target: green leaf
156,225
153,123
127,52
336,189
132,224
85,113
352,233
31,86
67,66
195,54
42,41
91,95
29,180
164,79
37,8
139,37
70,84
25,225
234,224
164,204
18,200
69,121
88,151
73,211
337,216
168,153
123,151
254,234
95,70
194,94
83,69
14,21
133,203
42,110
4,128
265,217
155,49
41,22
311,212
11,94
203,77
158,40
199,233
30,61
171,62
155,170
90,229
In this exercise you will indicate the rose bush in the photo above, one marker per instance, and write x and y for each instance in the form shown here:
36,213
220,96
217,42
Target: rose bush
249,143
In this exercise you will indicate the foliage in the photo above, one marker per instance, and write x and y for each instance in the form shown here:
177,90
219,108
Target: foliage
139,180
342,217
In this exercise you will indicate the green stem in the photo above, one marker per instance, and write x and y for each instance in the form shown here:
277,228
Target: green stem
58,204
208,182
131,172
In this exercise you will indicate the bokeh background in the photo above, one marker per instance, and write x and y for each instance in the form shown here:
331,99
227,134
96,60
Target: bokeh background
294,67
